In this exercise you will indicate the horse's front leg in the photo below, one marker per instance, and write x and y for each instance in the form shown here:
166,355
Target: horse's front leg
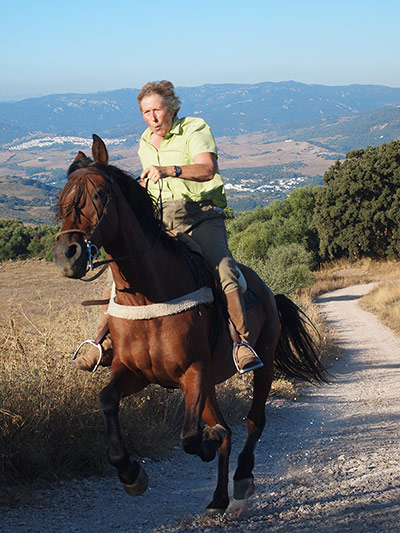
130,472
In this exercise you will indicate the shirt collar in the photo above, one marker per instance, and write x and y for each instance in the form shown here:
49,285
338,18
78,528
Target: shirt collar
176,128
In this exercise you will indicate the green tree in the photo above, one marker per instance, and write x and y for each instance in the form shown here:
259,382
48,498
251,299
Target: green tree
43,238
20,242
14,240
357,213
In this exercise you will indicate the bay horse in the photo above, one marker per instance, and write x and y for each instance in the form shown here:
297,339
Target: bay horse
102,205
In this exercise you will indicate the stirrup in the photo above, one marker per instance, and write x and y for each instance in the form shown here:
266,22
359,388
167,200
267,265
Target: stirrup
98,346
257,364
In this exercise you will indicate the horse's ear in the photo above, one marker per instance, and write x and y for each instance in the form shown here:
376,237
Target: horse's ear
79,156
99,150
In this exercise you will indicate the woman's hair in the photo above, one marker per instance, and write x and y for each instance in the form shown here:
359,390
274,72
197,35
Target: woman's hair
165,89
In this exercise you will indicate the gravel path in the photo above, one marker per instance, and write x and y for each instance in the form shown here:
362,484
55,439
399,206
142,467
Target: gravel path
327,462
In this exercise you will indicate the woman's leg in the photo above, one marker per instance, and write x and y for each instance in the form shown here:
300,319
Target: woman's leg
211,236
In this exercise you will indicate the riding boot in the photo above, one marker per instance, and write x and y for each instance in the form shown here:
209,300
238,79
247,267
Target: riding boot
89,360
244,356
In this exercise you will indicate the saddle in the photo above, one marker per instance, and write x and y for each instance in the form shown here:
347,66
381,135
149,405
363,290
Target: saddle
250,297
194,256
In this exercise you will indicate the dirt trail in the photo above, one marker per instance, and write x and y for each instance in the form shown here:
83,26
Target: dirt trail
328,461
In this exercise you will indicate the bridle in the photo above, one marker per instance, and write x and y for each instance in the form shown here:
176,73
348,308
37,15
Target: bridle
91,249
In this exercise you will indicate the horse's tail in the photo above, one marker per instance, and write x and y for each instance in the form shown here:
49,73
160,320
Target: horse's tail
296,353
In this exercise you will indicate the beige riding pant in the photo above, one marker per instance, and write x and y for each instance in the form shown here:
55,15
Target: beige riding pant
205,224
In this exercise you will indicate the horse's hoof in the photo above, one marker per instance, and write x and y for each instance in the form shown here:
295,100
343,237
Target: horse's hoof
214,512
140,485
216,433
243,488
217,506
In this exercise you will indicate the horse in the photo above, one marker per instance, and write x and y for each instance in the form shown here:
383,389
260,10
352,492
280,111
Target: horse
104,206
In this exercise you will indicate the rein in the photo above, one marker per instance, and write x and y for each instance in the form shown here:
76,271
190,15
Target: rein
91,249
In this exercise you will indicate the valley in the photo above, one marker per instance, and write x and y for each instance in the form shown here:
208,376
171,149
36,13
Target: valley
254,170
271,137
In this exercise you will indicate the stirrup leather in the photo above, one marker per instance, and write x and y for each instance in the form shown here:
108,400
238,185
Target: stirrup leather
256,365
93,343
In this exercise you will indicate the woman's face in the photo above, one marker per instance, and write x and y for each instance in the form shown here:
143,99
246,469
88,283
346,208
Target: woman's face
156,114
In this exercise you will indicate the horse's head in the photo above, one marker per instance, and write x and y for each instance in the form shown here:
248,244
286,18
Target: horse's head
84,209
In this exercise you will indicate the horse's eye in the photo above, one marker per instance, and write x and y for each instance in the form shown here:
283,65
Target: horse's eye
101,194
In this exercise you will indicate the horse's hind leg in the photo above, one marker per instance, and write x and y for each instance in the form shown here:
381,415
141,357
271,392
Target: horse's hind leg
201,403
243,477
194,385
214,419
130,472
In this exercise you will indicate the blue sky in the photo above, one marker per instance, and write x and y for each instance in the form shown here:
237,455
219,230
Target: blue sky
56,46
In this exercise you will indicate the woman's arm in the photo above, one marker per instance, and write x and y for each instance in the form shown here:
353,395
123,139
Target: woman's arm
204,168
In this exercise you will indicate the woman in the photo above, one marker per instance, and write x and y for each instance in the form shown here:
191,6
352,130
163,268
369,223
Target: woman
179,158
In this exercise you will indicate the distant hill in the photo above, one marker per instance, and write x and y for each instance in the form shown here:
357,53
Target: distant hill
272,137
346,133
231,109
27,200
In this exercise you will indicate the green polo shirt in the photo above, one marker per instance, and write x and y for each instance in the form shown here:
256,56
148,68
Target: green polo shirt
187,138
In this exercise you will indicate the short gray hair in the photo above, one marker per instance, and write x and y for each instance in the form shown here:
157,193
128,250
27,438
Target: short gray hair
166,90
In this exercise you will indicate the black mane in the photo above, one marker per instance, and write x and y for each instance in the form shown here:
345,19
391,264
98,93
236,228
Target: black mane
137,196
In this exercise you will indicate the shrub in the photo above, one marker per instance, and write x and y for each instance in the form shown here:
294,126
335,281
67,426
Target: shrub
18,241
286,268
279,224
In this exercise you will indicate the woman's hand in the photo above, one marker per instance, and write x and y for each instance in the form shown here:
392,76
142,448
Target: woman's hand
154,173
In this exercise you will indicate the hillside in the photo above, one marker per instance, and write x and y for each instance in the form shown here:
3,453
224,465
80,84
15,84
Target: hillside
230,109
280,135
254,172
27,200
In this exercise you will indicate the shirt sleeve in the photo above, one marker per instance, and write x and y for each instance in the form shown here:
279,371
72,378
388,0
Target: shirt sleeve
200,139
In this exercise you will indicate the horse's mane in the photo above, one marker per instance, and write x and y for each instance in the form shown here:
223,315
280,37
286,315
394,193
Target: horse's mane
138,200
137,197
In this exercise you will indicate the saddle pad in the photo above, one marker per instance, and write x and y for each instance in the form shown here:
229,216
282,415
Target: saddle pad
204,295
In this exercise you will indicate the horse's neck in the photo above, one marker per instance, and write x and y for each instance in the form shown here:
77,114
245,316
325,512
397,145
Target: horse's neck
155,274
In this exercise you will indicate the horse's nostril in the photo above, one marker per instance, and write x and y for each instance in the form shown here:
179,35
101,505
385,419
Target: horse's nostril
72,251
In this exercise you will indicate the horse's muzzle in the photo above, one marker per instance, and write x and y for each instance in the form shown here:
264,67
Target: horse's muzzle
71,257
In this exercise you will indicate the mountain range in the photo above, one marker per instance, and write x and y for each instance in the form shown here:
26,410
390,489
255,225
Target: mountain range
340,117
271,137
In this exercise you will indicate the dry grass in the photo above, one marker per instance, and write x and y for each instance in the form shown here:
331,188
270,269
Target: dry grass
50,422
338,274
384,301
323,336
